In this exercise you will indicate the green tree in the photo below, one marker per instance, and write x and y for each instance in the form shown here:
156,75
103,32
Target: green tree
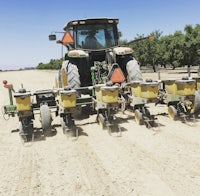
146,51
192,44
53,64
172,49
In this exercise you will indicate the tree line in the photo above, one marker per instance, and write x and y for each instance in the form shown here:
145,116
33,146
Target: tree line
178,49
53,64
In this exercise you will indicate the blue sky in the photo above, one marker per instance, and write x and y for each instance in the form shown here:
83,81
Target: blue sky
26,24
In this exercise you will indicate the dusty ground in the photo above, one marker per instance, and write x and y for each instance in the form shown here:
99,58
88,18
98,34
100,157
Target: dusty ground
164,161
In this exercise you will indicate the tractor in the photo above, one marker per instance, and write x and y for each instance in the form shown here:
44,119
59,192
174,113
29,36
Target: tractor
96,65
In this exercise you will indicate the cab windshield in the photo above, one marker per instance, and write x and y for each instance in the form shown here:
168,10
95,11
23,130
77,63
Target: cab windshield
99,36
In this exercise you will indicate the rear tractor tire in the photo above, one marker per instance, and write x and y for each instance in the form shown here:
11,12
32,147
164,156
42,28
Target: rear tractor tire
73,76
133,70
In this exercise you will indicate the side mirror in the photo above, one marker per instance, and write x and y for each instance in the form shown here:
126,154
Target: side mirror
52,37
119,33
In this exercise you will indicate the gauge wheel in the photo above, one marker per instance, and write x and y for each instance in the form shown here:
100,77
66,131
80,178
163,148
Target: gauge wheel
138,117
101,121
172,111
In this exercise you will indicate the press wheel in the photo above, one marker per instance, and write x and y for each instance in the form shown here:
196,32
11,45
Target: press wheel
45,117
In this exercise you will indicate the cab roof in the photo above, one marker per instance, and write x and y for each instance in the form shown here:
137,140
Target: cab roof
91,21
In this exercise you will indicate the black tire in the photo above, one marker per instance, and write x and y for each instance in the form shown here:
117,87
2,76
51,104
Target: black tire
45,117
73,76
133,70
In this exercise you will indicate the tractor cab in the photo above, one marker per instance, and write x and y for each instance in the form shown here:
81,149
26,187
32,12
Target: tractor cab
93,54
91,34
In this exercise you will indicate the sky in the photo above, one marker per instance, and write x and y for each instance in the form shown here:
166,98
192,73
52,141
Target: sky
26,24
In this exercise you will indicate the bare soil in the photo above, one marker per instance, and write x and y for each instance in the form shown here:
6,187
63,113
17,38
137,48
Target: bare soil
160,161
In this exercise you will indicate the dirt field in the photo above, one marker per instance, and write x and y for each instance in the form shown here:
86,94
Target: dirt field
164,161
